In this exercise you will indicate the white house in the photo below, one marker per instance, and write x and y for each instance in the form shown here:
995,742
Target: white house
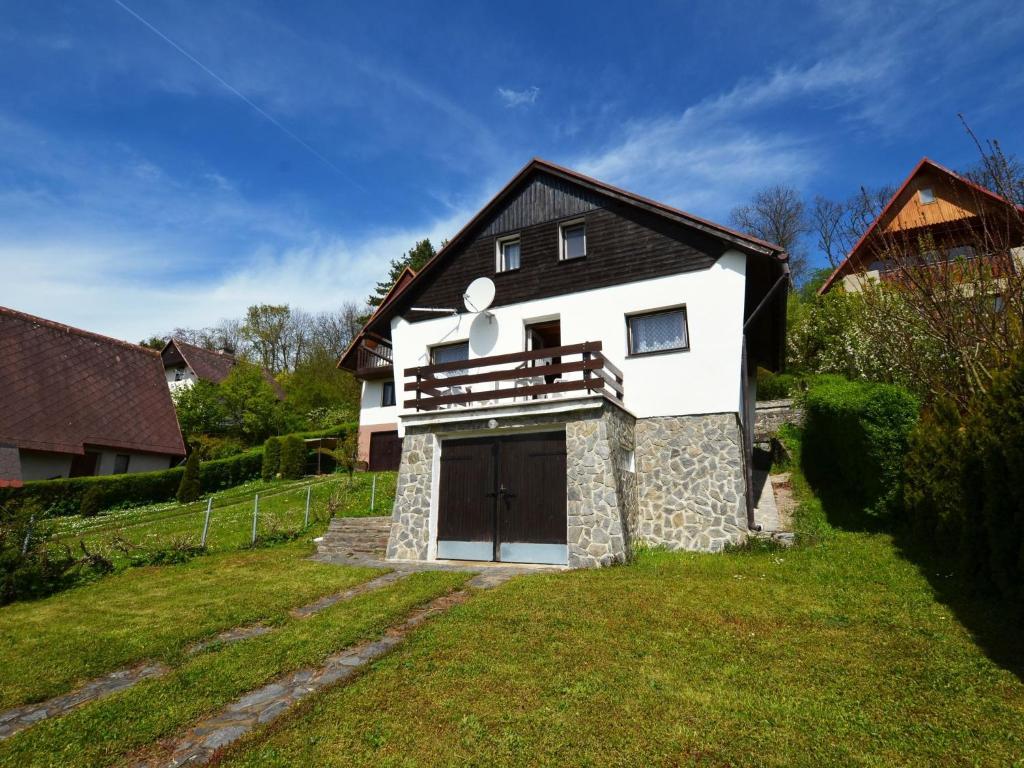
572,373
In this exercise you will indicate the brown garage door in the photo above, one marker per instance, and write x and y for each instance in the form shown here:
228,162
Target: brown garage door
503,499
385,451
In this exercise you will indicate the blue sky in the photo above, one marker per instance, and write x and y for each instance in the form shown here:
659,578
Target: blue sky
169,163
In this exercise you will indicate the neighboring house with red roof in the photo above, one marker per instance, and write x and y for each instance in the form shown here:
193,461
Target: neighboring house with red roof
75,403
936,217
185,363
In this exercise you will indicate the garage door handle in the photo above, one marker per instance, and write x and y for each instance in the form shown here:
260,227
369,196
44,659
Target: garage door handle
502,491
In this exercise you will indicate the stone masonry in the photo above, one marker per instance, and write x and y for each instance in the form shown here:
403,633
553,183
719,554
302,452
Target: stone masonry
687,490
690,481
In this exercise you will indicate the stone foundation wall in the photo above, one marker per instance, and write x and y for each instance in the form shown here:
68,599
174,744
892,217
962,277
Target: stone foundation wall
601,493
687,491
690,481
772,414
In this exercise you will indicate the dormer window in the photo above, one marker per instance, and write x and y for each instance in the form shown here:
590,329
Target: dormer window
507,255
572,240
927,195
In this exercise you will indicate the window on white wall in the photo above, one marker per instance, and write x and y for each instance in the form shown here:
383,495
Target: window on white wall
450,353
662,331
573,236
387,393
121,462
508,253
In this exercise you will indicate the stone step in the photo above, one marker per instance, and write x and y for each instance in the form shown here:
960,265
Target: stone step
356,536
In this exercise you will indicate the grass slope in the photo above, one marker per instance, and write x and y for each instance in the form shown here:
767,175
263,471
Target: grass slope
282,505
834,653
47,646
104,733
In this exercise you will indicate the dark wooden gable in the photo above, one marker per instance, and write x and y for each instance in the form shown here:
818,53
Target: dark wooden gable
625,243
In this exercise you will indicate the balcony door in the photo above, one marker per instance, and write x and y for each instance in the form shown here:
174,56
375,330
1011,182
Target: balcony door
544,335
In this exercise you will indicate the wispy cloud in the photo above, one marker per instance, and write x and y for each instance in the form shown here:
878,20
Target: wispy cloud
523,98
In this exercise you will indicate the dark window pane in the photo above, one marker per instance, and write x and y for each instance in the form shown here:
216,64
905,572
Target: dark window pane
121,463
574,241
387,396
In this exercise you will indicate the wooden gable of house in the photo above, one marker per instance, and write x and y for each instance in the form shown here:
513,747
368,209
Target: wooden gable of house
624,243
931,199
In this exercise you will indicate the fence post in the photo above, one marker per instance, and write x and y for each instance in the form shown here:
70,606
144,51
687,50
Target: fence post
309,490
373,492
255,514
206,522
28,535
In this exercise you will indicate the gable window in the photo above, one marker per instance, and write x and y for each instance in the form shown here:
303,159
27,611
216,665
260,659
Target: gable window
661,331
508,254
573,240
927,195
387,394
179,373
121,461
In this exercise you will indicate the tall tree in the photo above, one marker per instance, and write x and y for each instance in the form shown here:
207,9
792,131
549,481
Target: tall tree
417,256
267,331
777,214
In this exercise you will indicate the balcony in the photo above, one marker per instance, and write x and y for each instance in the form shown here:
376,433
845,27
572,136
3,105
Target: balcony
374,359
537,374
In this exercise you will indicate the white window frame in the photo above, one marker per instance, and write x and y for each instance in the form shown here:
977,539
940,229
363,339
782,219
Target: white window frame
931,193
383,390
561,238
499,252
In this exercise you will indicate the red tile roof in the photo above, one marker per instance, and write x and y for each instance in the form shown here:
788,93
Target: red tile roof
213,365
64,388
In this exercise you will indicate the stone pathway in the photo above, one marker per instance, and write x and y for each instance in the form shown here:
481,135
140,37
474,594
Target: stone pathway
19,718
774,506
199,745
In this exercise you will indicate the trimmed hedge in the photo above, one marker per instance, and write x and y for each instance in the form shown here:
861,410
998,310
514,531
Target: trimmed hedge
775,386
855,439
963,493
64,497
293,457
271,458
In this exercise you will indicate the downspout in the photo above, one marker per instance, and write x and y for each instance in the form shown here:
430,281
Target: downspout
749,415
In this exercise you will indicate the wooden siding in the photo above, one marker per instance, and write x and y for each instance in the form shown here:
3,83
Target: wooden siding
544,198
951,204
624,244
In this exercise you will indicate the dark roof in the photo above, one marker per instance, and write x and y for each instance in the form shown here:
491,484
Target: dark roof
924,164
746,243
65,388
209,364
347,360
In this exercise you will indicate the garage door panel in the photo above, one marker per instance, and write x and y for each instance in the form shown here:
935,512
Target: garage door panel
465,510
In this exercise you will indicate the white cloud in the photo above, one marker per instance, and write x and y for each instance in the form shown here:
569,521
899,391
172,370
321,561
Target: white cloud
514,98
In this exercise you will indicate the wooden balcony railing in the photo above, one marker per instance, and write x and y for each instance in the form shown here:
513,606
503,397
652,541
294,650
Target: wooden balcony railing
373,359
533,375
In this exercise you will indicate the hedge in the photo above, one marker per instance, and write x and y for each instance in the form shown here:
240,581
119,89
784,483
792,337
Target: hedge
963,493
855,439
64,496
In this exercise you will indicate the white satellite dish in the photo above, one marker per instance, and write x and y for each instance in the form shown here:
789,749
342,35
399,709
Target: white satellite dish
479,295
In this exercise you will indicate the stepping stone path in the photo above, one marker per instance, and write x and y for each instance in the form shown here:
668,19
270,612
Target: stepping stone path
20,718
200,744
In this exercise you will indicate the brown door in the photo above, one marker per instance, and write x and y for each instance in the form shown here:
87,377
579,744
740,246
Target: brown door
385,451
503,499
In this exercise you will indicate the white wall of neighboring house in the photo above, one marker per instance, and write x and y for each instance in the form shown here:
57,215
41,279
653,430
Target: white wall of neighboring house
188,378
704,379
43,465
137,462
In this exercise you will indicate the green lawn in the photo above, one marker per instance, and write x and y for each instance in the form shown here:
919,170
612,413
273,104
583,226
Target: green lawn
834,653
107,731
282,506
47,646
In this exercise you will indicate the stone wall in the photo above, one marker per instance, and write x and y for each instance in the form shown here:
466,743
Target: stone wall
690,482
601,492
772,414
410,517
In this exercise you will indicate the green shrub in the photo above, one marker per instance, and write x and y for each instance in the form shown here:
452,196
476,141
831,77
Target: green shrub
293,457
775,386
92,502
962,493
191,487
271,458
63,497
855,438
210,447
